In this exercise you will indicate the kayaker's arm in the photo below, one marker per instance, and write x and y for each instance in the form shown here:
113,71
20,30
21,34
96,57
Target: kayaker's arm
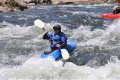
45,36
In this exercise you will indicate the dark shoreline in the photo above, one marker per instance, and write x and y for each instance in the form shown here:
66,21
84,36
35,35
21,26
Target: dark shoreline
21,5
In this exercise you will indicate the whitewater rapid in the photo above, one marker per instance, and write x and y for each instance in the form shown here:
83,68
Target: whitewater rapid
96,56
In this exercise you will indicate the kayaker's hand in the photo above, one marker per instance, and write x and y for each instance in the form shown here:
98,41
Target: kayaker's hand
45,29
58,45
50,40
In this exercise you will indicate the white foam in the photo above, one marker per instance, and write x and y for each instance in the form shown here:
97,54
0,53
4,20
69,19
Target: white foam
35,69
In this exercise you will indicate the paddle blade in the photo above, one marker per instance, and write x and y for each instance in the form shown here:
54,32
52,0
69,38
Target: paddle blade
39,23
65,54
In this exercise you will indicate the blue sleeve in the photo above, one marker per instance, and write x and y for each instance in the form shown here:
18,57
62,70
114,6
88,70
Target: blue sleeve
47,35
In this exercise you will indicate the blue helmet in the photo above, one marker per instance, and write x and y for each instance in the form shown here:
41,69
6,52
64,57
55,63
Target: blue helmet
57,26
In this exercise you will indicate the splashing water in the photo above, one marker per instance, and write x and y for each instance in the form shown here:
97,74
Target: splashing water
97,50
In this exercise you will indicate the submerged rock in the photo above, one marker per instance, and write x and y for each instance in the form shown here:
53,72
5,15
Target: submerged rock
2,25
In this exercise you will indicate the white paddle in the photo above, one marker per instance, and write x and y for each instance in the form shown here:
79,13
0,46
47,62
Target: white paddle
64,52
39,23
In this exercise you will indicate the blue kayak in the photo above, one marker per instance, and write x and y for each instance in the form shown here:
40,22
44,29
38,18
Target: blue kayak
56,54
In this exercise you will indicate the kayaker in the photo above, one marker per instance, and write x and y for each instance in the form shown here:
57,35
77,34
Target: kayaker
57,39
116,9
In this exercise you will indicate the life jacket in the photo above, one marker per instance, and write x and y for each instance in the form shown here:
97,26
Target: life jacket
55,39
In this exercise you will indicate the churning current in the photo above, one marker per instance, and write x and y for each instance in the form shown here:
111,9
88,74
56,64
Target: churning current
96,56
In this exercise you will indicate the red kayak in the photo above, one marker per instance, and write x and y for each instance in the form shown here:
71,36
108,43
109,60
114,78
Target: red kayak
110,15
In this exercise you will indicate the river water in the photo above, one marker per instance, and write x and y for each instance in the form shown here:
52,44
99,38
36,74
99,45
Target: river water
96,56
